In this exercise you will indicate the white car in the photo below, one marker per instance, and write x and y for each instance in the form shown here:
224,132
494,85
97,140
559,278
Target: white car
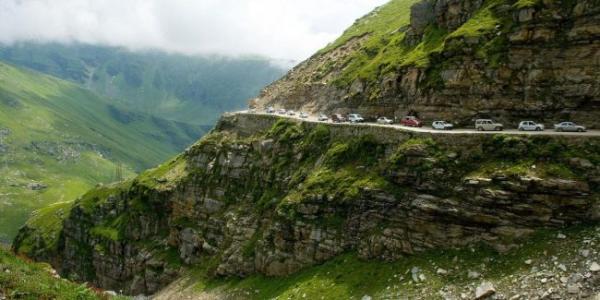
270,110
291,113
355,118
384,120
569,126
530,126
442,125
323,117
281,111
303,115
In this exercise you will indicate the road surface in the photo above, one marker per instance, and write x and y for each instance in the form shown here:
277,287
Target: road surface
428,129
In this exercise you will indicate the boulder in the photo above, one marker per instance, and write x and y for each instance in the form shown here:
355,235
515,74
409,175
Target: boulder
484,290
36,186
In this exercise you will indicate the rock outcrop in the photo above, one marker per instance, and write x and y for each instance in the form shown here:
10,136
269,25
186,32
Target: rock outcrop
457,60
269,196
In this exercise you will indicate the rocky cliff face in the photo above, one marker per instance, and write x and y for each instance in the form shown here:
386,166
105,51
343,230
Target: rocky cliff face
262,195
457,60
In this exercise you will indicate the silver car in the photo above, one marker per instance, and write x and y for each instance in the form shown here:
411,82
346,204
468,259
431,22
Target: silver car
488,125
384,121
442,125
303,115
323,117
281,111
569,126
530,126
355,118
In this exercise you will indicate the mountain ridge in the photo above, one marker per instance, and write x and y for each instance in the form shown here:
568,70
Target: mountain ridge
456,60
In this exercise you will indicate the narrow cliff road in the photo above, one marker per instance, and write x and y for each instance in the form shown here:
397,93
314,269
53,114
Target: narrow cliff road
428,129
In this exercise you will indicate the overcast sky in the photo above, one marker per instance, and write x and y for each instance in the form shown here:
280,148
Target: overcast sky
279,29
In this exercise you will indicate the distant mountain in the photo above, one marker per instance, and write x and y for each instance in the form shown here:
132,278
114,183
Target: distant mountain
57,140
189,89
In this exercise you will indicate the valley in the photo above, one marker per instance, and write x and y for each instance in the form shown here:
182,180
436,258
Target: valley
57,140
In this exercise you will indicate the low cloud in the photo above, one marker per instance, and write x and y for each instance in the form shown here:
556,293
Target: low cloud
279,29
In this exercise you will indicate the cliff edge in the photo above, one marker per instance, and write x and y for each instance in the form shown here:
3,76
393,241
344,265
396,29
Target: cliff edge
263,195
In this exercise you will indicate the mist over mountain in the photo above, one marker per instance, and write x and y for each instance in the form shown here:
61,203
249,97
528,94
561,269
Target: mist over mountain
191,89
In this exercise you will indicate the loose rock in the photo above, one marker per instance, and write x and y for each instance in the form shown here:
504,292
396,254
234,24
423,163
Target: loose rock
595,267
484,290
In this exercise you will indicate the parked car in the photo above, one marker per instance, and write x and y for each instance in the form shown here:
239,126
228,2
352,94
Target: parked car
355,118
303,115
569,126
323,117
442,125
488,125
270,110
530,126
281,111
291,113
384,120
338,118
411,121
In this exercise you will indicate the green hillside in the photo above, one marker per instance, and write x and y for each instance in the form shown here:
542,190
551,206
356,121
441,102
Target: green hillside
385,49
57,140
20,279
194,90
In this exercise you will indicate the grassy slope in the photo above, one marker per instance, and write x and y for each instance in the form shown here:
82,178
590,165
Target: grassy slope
384,49
195,90
20,279
65,120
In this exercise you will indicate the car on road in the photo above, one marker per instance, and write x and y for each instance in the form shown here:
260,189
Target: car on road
411,121
323,117
270,110
338,118
442,125
291,113
384,120
303,115
488,125
355,118
569,126
530,126
281,111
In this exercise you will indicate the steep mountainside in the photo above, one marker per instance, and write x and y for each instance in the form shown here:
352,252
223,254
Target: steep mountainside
262,196
194,90
457,60
57,140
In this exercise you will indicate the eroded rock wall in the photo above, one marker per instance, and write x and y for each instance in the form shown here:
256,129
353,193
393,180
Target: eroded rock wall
269,196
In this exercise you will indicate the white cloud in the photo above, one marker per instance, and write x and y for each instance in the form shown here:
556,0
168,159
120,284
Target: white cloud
280,29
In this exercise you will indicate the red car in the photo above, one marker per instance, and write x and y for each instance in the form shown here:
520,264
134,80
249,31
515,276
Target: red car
411,121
